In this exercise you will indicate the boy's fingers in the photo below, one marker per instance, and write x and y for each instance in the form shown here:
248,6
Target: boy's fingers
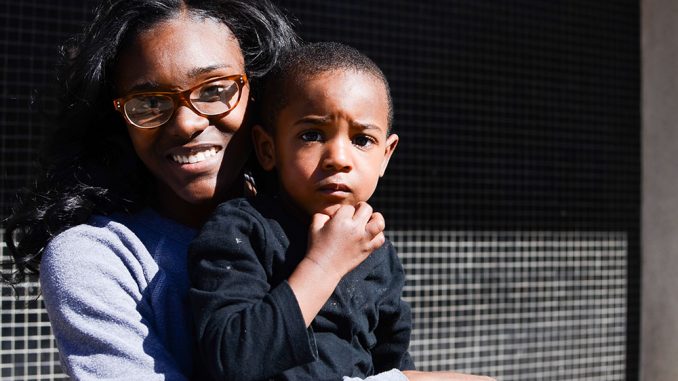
318,221
377,241
344,211
363,212
376,224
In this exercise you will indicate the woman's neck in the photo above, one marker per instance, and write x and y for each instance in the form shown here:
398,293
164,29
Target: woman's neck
176,209
194,215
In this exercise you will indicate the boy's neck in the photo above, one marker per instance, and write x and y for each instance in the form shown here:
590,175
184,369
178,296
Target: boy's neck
289,206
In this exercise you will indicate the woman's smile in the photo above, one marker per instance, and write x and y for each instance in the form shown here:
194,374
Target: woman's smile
195,155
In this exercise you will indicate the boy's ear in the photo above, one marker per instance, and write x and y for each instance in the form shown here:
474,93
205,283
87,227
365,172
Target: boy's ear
263,147
391,143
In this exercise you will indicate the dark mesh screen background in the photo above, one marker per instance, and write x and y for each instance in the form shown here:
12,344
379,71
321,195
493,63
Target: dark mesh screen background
31,33
513,197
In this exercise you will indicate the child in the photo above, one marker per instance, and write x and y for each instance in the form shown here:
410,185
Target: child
273,298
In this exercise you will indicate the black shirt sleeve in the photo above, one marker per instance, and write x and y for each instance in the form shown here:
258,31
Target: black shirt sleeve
245,329
395,324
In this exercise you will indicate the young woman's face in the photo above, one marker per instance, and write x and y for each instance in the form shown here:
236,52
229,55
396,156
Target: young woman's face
176,55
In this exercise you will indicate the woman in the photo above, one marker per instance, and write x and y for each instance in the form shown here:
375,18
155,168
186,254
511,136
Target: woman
153,134
115,286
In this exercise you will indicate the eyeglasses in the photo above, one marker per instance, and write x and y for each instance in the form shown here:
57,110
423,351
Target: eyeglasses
214,98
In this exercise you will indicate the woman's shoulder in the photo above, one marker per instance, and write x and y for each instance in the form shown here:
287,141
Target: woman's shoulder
134,241
99,231
99,241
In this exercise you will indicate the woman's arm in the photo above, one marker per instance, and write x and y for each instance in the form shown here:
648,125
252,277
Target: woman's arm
413,375
94,287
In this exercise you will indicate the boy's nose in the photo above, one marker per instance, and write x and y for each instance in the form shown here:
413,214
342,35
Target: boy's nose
186,123
337,156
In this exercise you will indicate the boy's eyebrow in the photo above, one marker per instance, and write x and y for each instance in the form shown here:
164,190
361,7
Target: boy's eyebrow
321,120
315,120
365,126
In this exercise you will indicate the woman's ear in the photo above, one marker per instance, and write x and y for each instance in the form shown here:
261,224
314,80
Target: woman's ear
263,147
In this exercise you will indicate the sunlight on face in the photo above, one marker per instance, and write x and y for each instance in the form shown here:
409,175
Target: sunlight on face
330,141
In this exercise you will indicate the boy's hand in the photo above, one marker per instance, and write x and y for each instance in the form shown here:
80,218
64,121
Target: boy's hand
340,242
336,245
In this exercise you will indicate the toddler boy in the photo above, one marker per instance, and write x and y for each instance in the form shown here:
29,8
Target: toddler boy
301,284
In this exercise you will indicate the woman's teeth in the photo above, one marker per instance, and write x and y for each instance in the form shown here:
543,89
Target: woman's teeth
195,157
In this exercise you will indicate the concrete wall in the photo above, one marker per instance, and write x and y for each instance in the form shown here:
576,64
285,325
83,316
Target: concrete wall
659,335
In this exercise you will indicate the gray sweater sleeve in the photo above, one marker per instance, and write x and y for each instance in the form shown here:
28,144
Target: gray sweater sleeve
94,282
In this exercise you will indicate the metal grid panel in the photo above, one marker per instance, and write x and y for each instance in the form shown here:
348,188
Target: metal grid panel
28,350
518,305
31,32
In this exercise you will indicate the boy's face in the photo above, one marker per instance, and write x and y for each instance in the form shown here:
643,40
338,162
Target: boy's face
330,145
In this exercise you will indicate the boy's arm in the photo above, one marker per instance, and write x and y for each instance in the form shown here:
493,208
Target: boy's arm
337,244
245,330
395,324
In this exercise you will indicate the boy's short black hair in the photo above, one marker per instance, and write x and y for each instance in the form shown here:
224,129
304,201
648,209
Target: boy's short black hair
310,60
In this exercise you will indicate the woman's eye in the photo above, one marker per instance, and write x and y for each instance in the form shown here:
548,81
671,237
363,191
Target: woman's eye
311,136
363,141
212,93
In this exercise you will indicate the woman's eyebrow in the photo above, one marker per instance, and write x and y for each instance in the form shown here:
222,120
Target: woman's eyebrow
144,87
198,71
149,86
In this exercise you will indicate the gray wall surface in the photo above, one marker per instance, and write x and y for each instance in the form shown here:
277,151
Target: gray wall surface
659,332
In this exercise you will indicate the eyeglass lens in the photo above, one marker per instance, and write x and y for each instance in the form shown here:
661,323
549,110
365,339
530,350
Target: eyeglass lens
212,98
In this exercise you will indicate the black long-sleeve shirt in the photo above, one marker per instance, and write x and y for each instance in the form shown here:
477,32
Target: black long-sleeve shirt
248,322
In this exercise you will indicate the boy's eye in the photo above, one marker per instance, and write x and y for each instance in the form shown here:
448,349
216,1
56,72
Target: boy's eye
363,140
311,136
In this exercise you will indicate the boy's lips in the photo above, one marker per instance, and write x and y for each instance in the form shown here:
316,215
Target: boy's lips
334,188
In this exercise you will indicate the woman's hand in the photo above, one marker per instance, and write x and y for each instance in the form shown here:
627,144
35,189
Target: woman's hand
413,375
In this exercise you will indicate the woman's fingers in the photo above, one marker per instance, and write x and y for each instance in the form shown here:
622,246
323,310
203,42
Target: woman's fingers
413,375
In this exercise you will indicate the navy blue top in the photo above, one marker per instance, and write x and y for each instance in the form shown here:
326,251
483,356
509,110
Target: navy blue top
248,322
115,290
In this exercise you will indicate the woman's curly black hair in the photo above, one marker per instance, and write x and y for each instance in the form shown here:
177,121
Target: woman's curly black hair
88,165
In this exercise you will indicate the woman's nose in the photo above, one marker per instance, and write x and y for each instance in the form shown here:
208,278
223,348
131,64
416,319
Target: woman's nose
337,156
186,123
